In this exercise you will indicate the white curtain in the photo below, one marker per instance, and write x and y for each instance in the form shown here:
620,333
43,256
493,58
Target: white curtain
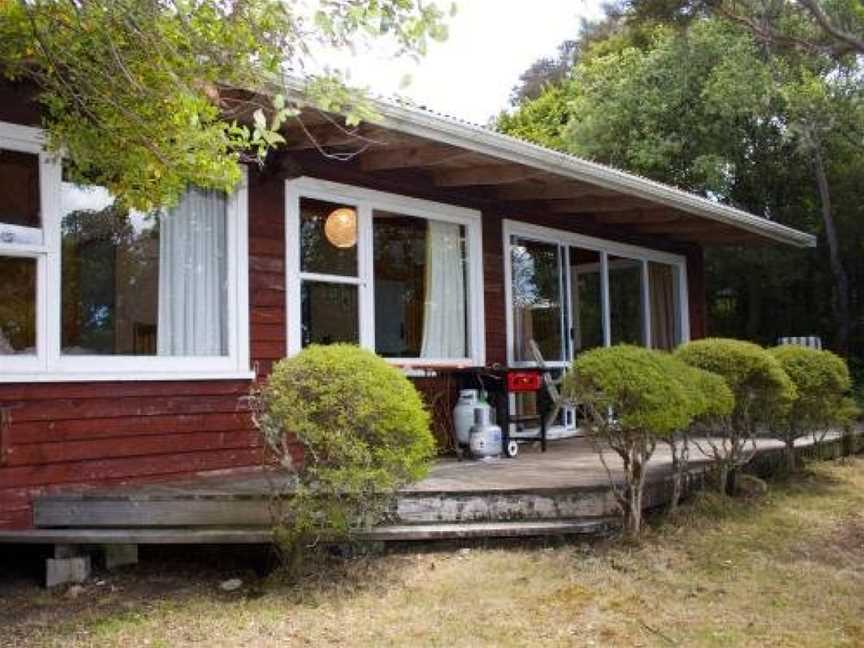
192,276
444,311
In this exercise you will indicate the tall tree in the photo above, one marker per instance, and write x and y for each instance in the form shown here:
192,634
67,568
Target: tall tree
706,106
142,97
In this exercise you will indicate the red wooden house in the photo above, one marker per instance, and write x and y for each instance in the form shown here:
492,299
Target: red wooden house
128,341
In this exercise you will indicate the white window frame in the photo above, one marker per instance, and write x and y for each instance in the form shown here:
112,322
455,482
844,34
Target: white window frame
605,249
49,365
366,201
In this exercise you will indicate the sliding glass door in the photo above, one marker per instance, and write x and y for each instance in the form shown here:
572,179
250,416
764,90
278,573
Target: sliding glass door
556,312
569,293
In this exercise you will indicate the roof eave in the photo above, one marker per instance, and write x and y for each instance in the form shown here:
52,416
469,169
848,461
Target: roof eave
474,138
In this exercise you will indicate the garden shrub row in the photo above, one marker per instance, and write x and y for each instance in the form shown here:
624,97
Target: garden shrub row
364,432
720,394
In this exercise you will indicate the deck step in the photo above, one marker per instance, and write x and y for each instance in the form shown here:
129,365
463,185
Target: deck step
259,535
468,530
151,512
221,510
503,506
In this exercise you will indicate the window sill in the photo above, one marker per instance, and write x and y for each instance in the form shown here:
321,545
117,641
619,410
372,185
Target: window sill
143,376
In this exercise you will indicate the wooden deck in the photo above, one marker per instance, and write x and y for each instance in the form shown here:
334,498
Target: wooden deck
562,491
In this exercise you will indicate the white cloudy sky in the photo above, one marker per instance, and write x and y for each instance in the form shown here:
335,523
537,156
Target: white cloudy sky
491,43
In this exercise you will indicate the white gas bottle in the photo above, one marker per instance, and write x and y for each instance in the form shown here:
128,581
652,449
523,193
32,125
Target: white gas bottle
485,438
463,414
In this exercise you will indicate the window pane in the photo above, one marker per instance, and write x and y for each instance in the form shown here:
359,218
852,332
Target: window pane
665,314
586,299
537,304
19,197
143,284
625,300
329,313
420,287
328,238
17,306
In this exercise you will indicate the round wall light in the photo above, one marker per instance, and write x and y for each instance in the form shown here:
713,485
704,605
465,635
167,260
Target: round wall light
340,228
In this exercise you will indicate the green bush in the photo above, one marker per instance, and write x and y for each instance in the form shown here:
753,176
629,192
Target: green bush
634,399
633,382
761,389
363,429
758,382
822,383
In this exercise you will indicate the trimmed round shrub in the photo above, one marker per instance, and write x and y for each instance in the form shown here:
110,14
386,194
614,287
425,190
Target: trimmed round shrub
760,387
363,429
634,397
637,384
821,380
349,408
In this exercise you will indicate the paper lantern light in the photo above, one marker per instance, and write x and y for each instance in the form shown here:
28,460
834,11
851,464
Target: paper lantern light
340,228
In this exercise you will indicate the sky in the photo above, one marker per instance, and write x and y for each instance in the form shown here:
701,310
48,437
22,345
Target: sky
491,43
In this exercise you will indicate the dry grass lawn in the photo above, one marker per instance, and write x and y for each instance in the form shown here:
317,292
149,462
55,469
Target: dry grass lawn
784,570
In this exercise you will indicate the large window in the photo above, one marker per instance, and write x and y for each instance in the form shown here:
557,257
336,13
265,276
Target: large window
91,290
393,274
143,284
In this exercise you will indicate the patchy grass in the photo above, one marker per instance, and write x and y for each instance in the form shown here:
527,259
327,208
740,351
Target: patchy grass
786,569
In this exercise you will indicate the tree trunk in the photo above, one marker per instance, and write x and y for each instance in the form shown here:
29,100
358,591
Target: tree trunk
732,480
634,504
677,478
791,462
841,279
680,459
723,478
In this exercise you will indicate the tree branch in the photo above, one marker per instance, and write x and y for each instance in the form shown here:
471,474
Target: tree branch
815,10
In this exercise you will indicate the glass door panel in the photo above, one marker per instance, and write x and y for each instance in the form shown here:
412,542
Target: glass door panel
626,310
663,293
541,312
538,308
586,299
